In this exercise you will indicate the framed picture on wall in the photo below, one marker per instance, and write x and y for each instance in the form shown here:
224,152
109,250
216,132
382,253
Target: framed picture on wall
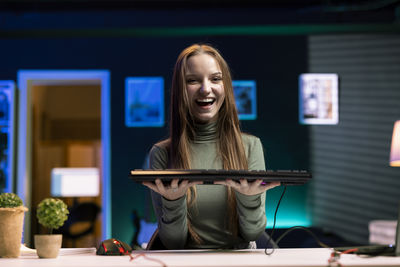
6,98
318,98
246,99
7,135
144,101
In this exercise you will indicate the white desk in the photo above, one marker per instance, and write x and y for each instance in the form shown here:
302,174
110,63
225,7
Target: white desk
281,257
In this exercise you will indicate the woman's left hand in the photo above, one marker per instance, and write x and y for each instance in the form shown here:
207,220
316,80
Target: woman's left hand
253,188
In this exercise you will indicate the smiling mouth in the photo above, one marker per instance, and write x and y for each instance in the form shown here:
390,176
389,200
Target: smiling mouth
205,102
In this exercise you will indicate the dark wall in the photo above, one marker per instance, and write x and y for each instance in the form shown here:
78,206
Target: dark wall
353,182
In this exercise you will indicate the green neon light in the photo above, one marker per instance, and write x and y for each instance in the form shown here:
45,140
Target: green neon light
293,209
254,30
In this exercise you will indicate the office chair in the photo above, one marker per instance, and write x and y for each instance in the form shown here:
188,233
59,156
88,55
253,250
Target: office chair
81,221
155,242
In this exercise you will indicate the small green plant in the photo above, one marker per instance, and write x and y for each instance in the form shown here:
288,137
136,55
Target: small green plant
10,200
52,213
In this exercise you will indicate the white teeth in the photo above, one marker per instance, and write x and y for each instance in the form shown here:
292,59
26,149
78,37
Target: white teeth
208,100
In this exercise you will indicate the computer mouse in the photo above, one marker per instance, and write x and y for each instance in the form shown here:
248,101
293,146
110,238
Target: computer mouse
113,247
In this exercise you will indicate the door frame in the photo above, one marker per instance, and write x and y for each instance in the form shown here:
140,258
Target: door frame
26,79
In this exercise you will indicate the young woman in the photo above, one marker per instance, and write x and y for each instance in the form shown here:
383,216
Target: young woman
205,134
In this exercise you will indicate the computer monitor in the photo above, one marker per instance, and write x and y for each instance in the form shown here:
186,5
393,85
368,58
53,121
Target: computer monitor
75,182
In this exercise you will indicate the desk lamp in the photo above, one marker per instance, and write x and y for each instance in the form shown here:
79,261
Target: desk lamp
395,149
395,162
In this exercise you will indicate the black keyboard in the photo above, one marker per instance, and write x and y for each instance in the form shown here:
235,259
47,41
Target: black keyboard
286,177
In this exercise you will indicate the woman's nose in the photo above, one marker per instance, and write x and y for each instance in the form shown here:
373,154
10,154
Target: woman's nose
205,87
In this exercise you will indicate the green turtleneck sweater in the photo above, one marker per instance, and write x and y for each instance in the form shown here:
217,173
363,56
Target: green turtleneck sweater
209,215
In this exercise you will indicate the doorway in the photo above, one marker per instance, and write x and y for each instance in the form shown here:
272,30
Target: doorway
64,121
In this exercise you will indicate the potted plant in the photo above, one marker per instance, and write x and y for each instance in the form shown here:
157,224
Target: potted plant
12,213
51,213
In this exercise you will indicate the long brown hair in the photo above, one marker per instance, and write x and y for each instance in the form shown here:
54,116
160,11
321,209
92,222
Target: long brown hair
229,145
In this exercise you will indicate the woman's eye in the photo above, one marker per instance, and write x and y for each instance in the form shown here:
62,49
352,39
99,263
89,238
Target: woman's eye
190,80
217,79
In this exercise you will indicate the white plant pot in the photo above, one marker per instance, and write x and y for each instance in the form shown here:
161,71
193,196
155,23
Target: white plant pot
48,246
11,225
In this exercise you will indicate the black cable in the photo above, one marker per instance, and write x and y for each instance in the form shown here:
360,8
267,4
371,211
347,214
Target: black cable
321,244
288,231
273,227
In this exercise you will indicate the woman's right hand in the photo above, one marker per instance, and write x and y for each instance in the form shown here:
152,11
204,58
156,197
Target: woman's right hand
173,191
